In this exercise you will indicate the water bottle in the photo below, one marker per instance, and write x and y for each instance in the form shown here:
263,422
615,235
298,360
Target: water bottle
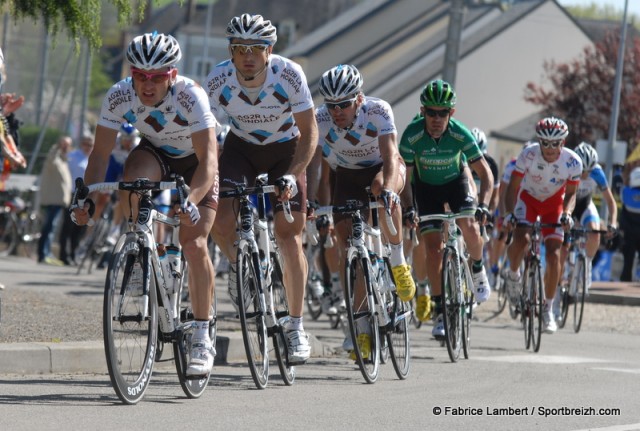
165,265
174,267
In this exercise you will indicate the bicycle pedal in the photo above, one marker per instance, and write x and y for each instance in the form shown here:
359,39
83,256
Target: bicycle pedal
196,377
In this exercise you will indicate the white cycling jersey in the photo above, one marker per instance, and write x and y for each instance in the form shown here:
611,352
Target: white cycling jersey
168,125
542,179
596,181
356,147
508,170
270,118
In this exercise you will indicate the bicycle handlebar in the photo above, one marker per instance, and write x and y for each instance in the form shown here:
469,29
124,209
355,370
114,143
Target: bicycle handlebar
244,191
352,207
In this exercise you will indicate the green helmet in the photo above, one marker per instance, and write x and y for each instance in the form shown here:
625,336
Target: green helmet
438,93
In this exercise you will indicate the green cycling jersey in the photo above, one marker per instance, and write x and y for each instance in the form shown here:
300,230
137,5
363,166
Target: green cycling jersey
438,161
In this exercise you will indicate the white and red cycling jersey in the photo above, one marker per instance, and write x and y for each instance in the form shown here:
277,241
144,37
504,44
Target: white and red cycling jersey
356,147
268,118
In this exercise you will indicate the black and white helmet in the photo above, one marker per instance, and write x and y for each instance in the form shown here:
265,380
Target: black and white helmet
552,129
153,51
340,82
481,139
588,154
252,27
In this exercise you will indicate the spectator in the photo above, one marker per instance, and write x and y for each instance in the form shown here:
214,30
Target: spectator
630,219
55,194
10,156
71,233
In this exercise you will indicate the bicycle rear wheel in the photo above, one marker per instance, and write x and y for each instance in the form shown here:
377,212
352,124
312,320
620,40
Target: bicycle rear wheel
192,387
281,308
397,331
252,317
537,304
451,304
580,293
130,331
363,324
500,287
8,233
467,308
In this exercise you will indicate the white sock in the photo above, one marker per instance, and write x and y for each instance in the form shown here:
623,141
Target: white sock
548,303
397,255
202,330
294,324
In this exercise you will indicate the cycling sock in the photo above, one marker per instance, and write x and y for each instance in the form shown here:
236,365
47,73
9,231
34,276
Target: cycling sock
294,324
477,265
437,304
397,255
202,330
548,303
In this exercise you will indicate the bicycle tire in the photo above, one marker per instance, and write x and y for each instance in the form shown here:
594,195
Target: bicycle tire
581,292
525,306
129,337
397,332
537,302
362,321
281,309
192,387
467,308
451,304
500,287
564,305
252,317
8,233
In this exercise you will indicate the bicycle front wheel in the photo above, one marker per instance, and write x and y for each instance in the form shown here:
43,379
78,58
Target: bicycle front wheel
537,304
500,287
580,272
281,310
467,308
451,303
252,317
130,323
363,325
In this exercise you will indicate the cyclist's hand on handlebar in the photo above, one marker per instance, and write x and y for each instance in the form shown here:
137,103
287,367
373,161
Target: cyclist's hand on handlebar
612,231
286,187
510,221
482,213
390,199
189,214
566,221
312,206
410,217
81,216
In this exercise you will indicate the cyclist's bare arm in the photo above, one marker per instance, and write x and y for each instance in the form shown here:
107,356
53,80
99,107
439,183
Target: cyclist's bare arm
313,175
206,149
569,202
306,122
512,193
389,151
324,190
481,168
612,208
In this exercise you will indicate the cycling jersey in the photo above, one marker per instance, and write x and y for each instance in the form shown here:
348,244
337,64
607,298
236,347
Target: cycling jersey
508,170
493,167
270,118
356,147
542,179
438,161
168,125
597,180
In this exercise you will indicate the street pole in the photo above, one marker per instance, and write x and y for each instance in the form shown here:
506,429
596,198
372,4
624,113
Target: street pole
454,34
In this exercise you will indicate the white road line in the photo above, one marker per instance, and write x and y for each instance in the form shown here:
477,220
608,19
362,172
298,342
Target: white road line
541,359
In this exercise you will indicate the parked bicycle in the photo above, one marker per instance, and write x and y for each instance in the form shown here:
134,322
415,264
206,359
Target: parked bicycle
20,224
457,295
262,308
378,319
142,300
531,294
575,288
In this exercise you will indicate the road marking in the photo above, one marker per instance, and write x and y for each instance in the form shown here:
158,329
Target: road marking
541,359
621,370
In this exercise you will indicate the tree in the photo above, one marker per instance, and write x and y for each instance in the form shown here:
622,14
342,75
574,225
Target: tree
582,91
80,18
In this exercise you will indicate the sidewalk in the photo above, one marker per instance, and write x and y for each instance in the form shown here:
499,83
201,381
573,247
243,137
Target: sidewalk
36,284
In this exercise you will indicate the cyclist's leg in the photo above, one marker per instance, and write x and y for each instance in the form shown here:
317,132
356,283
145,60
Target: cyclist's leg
143,161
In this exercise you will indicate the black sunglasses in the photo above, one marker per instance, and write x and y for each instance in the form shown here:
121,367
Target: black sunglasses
342,105
552,144
435,113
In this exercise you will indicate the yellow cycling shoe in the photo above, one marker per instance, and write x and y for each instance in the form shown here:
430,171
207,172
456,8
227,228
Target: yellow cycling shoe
364,343
423,308
405,286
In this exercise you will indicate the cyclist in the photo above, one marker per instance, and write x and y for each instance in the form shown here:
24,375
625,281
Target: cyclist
172,113
273,130
585,212
543,183
435,145
359,139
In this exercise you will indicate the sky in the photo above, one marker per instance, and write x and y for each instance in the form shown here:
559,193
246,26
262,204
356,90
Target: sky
633,7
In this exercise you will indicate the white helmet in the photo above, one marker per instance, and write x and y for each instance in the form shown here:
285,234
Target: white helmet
340,82
588,155
252,27
552,129
153,51
481,139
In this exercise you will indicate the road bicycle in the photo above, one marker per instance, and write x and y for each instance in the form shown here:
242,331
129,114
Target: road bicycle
457,295
375,313
575,288
142,308
94,245
531,293
262,301
20,224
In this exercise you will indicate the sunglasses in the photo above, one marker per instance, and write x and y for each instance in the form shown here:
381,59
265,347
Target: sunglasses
435,113
342,105
248,49
552,144
156,78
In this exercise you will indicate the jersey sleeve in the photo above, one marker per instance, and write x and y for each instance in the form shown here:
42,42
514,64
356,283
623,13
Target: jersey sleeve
115,105
194,101
301,99
384,120
598,175
406,149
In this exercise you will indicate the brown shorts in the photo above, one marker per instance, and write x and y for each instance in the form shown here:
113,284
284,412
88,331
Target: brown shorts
242,160
185,166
